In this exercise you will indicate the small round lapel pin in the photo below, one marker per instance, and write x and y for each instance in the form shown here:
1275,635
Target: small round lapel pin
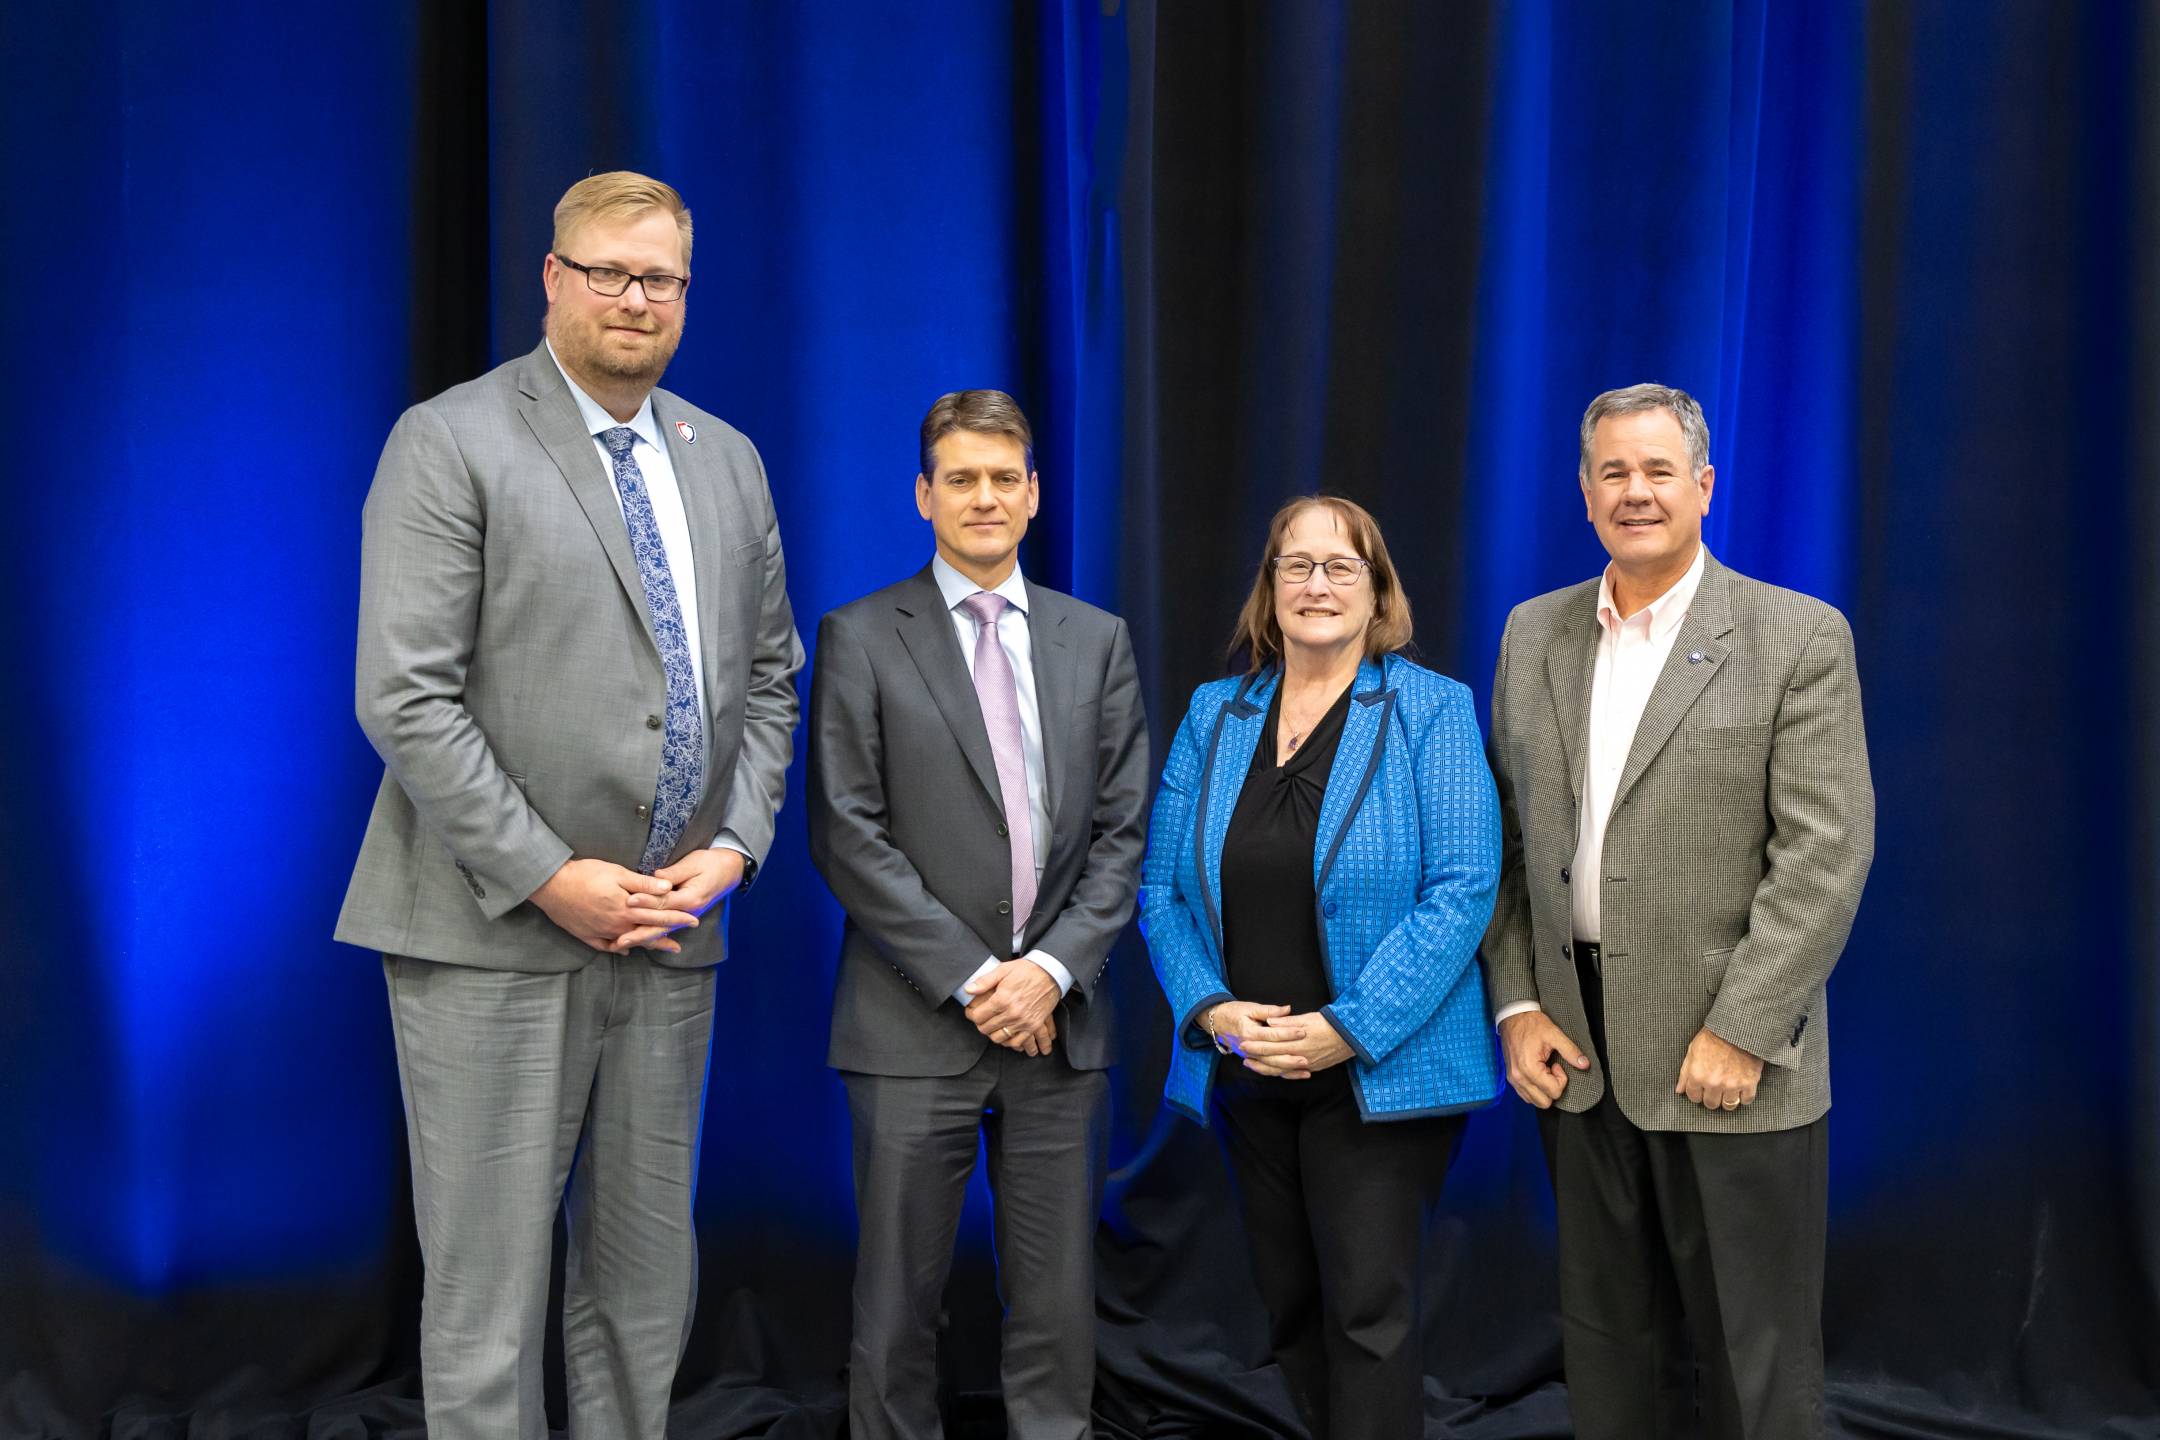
688,431
1694,657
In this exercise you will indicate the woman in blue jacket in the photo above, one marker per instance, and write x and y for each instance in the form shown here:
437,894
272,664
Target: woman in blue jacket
1320,868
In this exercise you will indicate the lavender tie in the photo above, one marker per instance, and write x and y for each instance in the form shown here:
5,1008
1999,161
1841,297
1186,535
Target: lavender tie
999,697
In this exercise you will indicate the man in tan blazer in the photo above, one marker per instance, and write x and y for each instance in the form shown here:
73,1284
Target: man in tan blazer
1687,824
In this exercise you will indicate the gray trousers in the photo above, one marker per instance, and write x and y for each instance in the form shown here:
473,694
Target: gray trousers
509,1078
1045,1129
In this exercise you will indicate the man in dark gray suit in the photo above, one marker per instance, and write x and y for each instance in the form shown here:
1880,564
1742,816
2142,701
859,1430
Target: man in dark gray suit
577,661
1687,821
978,776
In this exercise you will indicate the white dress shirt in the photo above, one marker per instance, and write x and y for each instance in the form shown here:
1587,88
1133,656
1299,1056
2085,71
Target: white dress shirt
1013,635
669,517
1631,654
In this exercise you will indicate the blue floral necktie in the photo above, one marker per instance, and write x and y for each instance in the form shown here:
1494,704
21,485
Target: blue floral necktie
682,744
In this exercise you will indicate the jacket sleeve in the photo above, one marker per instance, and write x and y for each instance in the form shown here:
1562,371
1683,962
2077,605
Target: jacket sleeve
1101,902
879,887
1510,977
1822,840
770,706
423,535
1420,960
1170,914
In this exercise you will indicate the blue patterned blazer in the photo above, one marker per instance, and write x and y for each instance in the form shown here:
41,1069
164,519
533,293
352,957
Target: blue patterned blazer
1404,870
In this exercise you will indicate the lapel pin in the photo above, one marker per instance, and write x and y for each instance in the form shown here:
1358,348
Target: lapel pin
1694,657
689,433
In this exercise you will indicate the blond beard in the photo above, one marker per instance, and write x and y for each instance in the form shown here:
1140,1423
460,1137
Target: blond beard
579,354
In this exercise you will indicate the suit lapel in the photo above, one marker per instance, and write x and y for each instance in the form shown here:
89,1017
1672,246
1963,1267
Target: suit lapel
1237,733
1697,652
1364,729
926,629
701,508
1570,663
1053,666
555,422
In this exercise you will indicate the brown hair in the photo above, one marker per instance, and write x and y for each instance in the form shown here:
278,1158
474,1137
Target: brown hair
619,195
1258,634
986,412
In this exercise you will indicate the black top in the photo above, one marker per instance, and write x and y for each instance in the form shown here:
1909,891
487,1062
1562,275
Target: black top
1271,931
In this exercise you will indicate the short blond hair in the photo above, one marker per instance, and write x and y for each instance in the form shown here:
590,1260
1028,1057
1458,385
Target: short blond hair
619,195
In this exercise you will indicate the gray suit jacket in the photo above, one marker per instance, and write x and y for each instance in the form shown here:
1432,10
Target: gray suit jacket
1735,852
907,824
509,677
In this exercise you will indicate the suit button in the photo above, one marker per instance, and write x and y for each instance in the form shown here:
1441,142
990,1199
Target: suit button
652,722
1328,909
1004,907
1567,952
1001,827
1563,875
644,812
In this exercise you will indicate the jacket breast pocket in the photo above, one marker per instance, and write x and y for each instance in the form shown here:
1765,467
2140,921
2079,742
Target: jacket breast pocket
1730,737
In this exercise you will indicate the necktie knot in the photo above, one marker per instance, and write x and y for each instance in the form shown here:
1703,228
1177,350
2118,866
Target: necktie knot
985,607
618,441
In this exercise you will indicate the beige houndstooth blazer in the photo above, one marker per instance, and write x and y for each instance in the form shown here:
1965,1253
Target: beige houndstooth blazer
1739,839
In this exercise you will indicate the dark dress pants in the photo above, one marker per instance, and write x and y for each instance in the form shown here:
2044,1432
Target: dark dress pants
1690,1272
1336,1209
1044,1127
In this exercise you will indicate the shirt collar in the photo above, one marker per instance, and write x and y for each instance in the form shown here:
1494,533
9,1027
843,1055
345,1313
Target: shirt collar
955,587
1665,613
597,420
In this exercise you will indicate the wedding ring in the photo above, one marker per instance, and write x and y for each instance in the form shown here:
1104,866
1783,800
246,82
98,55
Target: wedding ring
1732,1102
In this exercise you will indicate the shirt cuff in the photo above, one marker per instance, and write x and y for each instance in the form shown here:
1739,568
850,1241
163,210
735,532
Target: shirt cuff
960,992
1053,967
1520,1007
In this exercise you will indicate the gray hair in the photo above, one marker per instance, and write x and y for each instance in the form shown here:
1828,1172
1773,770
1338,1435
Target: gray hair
1636,399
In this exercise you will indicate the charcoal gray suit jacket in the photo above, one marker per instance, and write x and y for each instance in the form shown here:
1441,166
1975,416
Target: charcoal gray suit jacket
907,824
509,677
1735,852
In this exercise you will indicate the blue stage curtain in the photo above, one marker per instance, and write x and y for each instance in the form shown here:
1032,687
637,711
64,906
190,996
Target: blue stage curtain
1904,254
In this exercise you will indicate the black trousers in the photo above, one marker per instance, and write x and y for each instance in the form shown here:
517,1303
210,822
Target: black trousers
1336,1210
1690,1271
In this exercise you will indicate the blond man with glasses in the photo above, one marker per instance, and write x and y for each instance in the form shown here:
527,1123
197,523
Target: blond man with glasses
577,661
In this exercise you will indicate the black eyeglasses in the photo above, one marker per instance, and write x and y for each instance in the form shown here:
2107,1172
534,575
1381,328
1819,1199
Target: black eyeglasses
1341,573
659,289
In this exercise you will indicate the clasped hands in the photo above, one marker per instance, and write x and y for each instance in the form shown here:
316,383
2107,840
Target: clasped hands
1715,1073
1272,1041
1012,1006
616,910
